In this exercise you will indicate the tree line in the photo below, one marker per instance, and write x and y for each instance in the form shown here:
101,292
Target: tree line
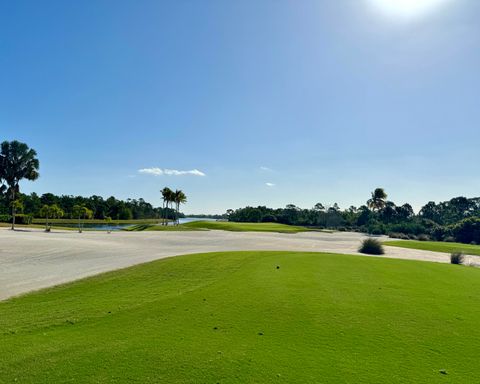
101,209
19,162
455,220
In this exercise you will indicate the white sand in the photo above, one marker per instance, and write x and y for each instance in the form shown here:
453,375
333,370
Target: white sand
33,259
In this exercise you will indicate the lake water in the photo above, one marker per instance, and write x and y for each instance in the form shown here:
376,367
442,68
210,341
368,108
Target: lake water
97,227
115,227
190,219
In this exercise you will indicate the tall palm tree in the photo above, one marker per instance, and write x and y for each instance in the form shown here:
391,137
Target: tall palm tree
162,212
50,212
17,162
82,213
180,198
167,197
171,201
378,200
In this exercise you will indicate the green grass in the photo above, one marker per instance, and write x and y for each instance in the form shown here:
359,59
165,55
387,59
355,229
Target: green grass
151,225
53,227
40,226
95,221
436,246
72,224
236,318
246,227
224,226
156,227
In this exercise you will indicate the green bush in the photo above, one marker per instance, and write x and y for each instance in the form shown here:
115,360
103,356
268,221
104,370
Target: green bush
395,235
5,218
23,219
439,233
376,229
371,247
423,237
467,230
457,258
409,228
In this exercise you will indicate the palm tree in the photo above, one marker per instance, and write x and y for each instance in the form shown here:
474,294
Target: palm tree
167,194
171,201
52,212
179,198
378,200
319,207
17,162
45,212
81,212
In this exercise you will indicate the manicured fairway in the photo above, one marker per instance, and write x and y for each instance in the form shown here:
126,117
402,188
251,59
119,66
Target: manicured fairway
246,227
156,227
437,246
236,318
226,226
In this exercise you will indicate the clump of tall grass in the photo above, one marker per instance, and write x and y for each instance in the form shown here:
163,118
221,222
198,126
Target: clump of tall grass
457,258
371,247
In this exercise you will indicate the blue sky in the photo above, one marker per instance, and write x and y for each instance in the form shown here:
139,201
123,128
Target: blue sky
322,100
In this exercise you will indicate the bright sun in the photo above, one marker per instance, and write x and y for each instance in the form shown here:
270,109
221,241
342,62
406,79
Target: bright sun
407,8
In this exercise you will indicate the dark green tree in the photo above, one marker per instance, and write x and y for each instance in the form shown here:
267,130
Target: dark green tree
378,200
179,198
168,196
17,162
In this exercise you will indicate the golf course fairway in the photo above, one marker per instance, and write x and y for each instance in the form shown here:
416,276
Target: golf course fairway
250,317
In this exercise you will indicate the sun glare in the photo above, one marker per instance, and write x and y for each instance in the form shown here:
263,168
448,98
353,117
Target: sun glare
407,8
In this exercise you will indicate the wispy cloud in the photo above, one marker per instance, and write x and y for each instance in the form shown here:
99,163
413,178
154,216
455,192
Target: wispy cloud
170,172
266,169
270,185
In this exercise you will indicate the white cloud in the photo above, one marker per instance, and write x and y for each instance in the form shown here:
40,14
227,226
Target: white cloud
266,169
270,184
170,172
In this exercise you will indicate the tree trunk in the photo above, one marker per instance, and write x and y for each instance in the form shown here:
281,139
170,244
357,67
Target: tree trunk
163,212
166,215
178,219
14,208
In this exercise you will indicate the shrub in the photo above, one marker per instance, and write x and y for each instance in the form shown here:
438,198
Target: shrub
438,233
269,218
23,219
467,230
457,258
376,229
449,239
396,235
5,218
423,237
371,247
411,228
